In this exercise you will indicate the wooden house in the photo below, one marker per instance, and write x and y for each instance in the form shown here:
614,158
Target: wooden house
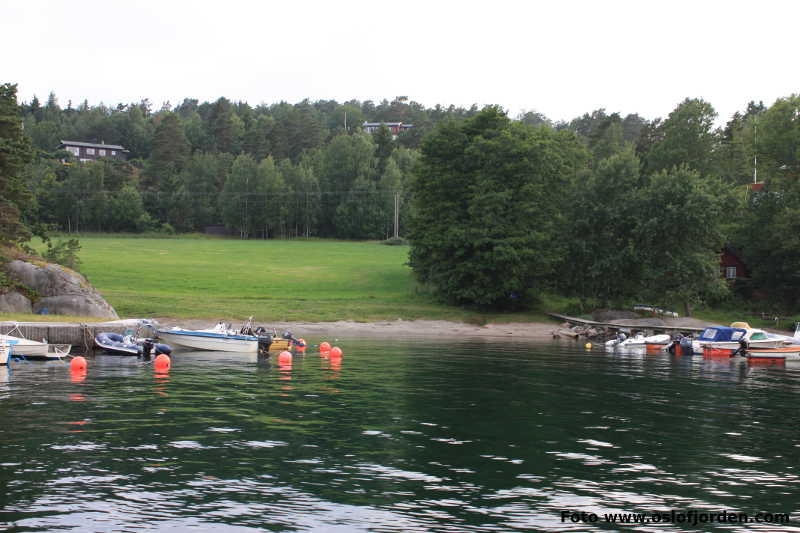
731,265
91,152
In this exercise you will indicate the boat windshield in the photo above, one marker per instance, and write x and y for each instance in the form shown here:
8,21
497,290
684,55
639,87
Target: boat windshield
709,334
758,336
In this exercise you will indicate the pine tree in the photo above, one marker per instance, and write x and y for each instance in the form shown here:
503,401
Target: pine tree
15,153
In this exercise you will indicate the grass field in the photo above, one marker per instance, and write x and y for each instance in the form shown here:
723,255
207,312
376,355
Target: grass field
297,280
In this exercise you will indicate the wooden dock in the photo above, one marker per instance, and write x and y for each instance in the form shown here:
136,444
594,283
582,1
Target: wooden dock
646,329
80,336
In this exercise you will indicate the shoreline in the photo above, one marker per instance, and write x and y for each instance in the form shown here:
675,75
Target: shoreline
394,328
537,331
419,328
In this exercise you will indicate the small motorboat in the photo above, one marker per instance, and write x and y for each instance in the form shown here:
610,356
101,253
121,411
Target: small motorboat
638,342
786,353
223,338
116,344
35,350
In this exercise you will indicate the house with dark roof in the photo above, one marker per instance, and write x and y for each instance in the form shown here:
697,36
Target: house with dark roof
91,152
395,127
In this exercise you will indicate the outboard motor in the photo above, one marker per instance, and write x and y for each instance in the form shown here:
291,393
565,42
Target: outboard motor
742,349
147,349
264,342
686,346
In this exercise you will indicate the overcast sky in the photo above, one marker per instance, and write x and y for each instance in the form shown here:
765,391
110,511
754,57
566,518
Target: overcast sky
559,57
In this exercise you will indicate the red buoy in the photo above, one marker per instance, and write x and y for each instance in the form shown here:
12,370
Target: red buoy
77,364
162,363
336,352
285,358
324,347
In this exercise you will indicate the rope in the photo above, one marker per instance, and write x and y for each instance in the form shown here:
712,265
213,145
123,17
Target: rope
88,338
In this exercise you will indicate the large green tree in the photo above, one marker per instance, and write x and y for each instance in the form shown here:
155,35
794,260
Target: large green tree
238,202
487,208
603,264
15,153
680,234
686,137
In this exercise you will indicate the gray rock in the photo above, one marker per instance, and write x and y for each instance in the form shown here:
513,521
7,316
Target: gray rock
63,291
14,302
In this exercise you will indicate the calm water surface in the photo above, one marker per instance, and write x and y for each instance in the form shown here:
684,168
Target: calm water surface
401,435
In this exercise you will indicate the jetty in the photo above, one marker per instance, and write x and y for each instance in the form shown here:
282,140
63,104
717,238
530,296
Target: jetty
648,326
80,336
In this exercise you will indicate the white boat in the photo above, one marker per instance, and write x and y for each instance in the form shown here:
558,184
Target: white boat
740,335
789,353
34,349
637,343
5,351
222,338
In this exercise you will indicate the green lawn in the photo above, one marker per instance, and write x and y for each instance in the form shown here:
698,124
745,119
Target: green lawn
296,280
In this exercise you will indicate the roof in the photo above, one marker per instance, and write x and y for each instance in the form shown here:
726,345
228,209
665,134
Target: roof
384,123
93,145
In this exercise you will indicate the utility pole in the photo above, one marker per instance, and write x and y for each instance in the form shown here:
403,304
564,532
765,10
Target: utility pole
755,152
396,215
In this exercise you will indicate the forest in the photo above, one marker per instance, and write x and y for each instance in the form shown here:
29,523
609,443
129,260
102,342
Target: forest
605,207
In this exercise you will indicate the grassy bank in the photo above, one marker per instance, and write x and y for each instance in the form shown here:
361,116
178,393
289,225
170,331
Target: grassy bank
297,280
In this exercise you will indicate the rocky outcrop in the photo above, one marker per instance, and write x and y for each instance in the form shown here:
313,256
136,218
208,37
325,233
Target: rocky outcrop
14,302
61,290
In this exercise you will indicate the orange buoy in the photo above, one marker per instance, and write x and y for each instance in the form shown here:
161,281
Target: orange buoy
162,363
285,358
77,364
324,347
336,352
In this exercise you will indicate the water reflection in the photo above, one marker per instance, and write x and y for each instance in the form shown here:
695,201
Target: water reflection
403,435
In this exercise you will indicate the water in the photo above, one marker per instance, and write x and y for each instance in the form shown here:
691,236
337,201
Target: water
408,435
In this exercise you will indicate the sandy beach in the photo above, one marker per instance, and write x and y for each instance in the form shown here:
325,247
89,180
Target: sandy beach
423,328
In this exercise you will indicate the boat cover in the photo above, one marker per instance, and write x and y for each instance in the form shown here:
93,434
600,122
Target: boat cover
722,333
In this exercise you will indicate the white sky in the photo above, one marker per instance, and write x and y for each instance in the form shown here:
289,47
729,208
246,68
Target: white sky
560,57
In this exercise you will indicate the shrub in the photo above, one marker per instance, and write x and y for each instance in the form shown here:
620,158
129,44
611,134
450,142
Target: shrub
64,253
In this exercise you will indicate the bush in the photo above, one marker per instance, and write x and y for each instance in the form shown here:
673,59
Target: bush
64,253
395,241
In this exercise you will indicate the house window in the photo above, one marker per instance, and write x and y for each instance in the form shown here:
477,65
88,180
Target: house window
74,150
113,152
730,272
102,151
90,151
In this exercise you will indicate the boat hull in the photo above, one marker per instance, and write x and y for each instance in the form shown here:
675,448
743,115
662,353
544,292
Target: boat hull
26,347
210,342
785,354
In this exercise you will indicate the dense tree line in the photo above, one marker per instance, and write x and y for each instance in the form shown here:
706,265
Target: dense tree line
498,209
617,210
267,171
